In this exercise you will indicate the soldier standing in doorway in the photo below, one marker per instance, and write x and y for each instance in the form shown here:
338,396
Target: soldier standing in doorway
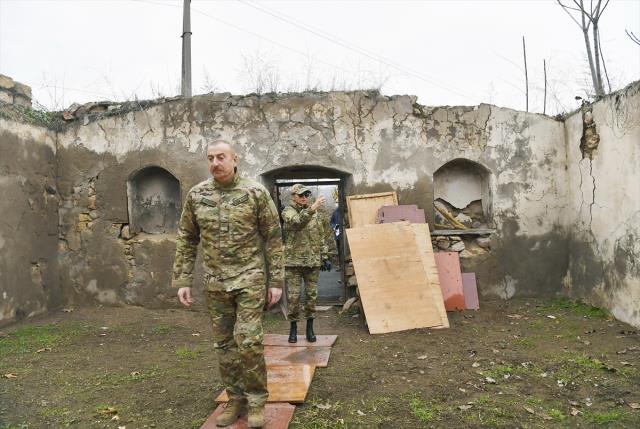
236,221
308,240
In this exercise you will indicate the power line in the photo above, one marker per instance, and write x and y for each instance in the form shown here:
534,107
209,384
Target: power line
239,28
362,51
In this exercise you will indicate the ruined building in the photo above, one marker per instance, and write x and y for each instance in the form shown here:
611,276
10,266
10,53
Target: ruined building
90,200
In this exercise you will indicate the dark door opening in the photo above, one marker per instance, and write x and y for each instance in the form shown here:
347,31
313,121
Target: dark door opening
331,284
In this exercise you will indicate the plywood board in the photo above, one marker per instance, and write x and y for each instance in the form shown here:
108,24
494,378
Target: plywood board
288,383
470,289
423,242
282,340
282,355
448,264
276,416
363,209
392,279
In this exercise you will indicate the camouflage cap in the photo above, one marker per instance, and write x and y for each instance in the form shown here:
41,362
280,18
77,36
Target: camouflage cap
299,189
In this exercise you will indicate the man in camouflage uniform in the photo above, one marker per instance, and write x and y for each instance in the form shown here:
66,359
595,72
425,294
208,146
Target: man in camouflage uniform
308,240
237,223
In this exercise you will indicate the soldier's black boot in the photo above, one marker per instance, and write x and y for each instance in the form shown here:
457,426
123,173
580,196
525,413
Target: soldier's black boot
311,337
293,332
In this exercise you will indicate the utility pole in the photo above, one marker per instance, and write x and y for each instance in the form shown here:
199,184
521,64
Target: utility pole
186,49
526,75
544,67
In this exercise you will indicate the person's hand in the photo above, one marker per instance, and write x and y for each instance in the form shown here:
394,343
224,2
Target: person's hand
319,202
274,296
184,295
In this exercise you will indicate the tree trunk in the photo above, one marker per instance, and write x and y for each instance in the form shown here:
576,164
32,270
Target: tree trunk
596,48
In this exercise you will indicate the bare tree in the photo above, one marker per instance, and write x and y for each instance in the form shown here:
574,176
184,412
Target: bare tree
260,72
208,84
589,20
633,37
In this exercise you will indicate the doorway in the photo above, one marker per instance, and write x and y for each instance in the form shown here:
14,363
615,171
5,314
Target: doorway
331,185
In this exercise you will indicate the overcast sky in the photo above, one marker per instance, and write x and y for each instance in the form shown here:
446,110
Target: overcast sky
445,52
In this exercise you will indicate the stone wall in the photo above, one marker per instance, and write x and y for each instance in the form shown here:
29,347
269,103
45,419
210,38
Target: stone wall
378,143
15,93
29,282
603,159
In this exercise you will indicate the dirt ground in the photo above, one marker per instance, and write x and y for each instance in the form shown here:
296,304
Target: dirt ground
518,363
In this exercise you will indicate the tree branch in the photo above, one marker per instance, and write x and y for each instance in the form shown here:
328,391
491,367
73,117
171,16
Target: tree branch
565,8
633,37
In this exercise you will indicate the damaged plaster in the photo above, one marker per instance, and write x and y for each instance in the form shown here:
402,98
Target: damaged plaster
553,228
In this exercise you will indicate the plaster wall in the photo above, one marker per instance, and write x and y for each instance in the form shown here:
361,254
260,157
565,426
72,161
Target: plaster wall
380,143
604,209
29,282
458,185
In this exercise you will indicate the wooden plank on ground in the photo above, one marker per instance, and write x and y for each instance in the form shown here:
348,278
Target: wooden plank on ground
282,355
276,416
282,340
392,279
423,241
363,209
470,289
448,264
285,383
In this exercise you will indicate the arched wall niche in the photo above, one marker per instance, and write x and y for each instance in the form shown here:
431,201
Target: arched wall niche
153,195
462,189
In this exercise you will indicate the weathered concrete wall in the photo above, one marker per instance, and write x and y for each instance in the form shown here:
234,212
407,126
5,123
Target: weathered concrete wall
28,221
380,143
604,209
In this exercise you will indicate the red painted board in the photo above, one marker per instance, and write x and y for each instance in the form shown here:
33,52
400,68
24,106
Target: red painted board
282,340
276,415
470,289
448,264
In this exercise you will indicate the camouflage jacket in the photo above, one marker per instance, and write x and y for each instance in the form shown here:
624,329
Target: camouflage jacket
239,229
308,237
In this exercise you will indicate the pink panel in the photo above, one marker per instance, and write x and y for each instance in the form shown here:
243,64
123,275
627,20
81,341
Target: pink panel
470,291
411,213
448,264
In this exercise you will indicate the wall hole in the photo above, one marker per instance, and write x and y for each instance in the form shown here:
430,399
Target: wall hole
154,201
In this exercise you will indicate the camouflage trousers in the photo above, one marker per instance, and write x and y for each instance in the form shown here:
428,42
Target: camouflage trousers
236,317
294,277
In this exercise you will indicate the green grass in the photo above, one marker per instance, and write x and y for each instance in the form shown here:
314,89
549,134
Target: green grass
578,308
537,324
524,342
116,379
498,371
491,412
161,329
605,417
423,411
186,353
556,415
29,339
627,371
61,415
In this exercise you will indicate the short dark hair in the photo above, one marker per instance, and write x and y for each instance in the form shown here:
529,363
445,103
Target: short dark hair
221,141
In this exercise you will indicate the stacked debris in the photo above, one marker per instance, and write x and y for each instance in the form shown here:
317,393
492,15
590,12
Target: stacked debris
401,283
